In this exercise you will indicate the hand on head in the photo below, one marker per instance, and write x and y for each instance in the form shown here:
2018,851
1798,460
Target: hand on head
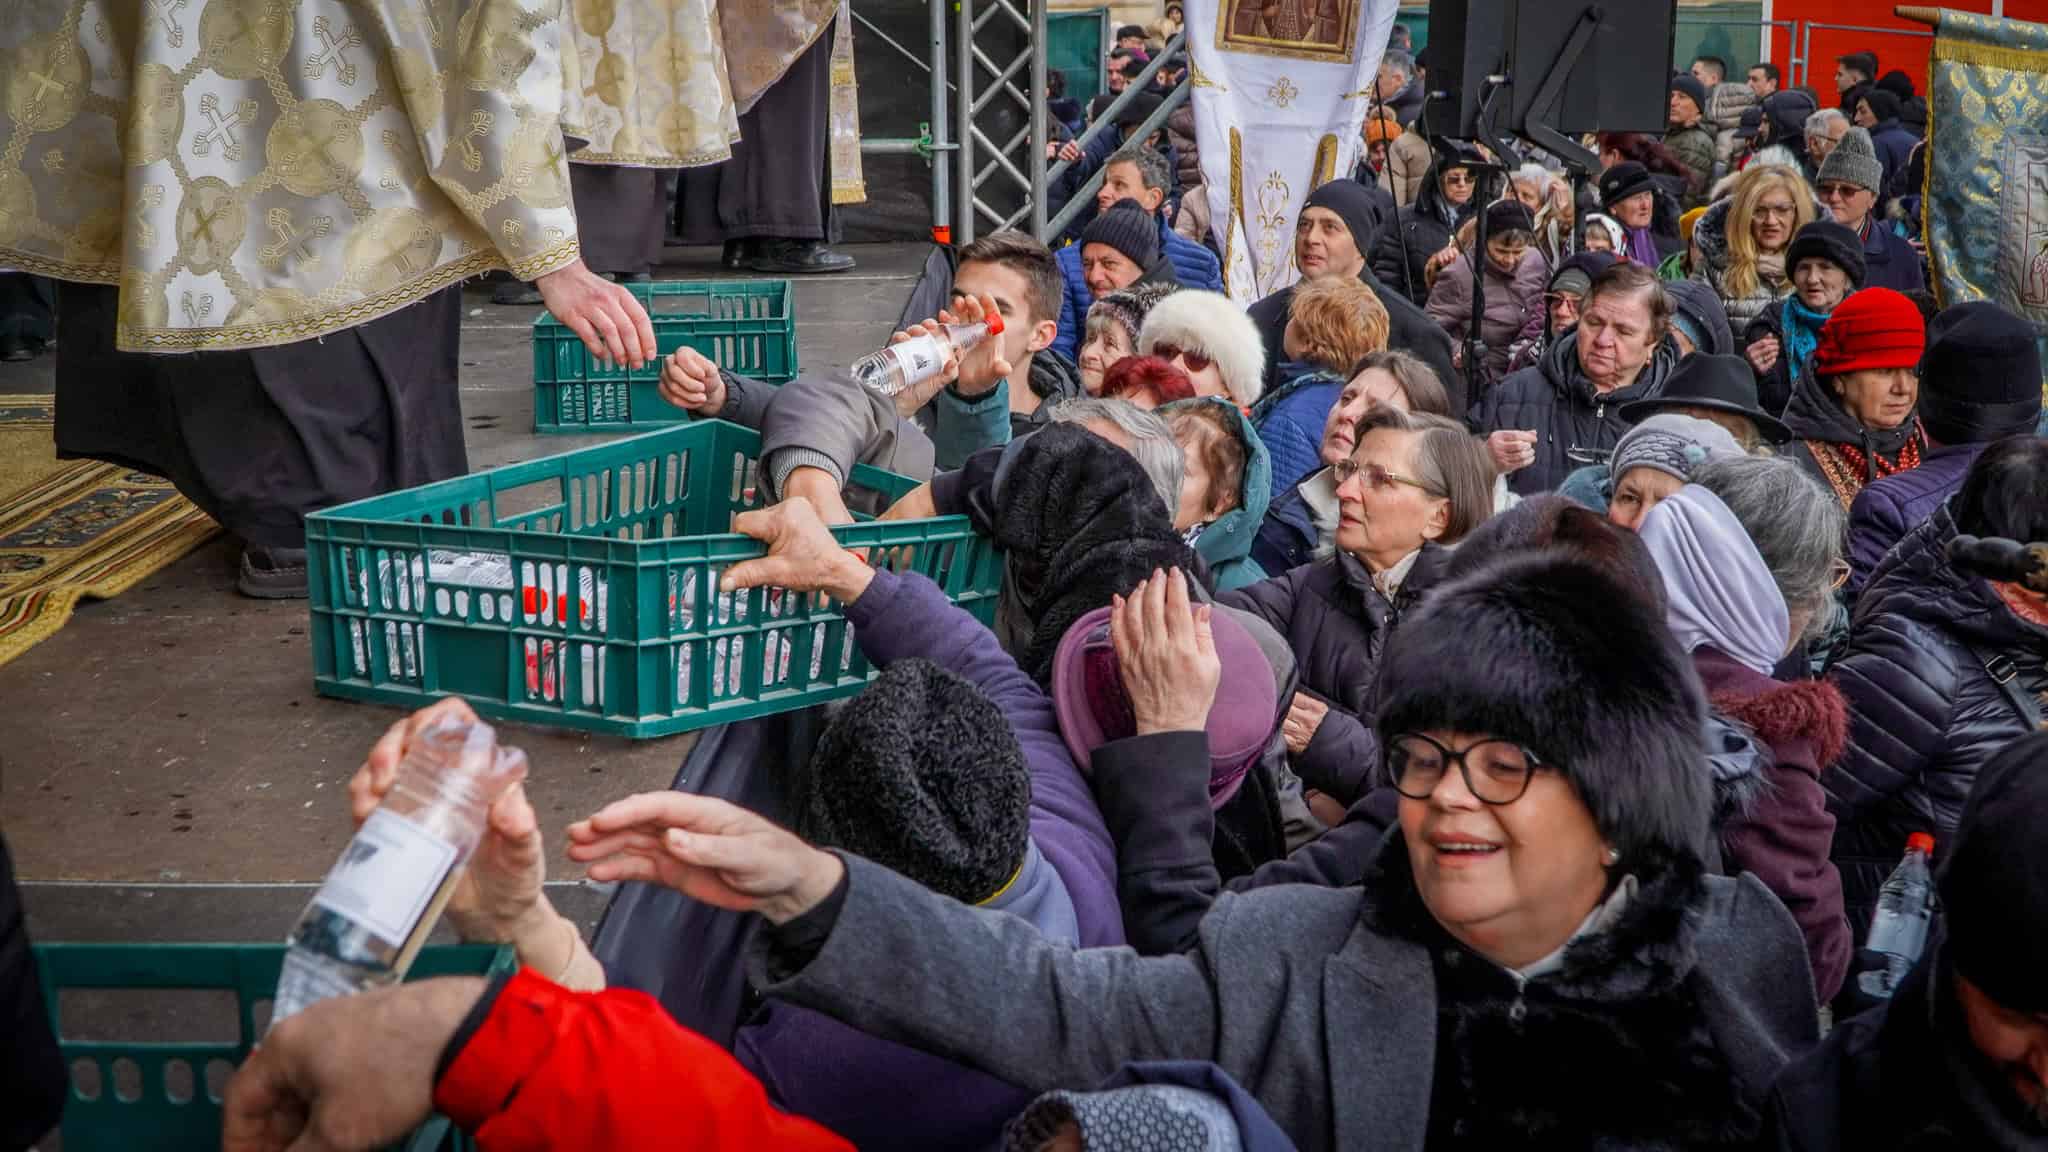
1166,654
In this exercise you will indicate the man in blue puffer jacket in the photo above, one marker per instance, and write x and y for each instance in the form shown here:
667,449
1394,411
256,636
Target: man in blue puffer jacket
1143,175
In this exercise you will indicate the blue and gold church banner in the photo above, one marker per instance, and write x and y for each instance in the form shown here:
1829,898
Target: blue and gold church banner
1986,200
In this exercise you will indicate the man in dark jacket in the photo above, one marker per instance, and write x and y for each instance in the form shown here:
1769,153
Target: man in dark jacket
32,1081
1851,184
1854,74
1565,412
1958,1058
1136,174
1340,221
1689,139
1980,381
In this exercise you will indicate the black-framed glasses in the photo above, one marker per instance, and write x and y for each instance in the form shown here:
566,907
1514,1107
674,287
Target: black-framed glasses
1496,771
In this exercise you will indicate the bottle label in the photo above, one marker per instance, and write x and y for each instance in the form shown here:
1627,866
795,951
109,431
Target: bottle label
919,357
387,876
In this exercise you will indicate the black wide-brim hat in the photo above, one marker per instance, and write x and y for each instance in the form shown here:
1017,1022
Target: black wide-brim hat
1722,383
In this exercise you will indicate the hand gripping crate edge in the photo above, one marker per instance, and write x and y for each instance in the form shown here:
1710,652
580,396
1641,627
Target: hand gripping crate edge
743,326
581,590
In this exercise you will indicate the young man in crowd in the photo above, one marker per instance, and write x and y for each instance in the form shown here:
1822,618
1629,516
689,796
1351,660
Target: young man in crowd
1763,80
1689,139
1851,186
1338,226
1139,175
1877,112
1854,74
1083,163
1710,71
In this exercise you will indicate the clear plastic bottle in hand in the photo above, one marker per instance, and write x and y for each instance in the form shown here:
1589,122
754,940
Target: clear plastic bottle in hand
1898,931
911,362
382,898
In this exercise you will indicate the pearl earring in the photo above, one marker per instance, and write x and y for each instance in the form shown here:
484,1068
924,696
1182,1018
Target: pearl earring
1613,857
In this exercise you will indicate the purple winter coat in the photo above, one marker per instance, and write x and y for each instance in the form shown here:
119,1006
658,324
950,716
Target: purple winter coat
1514,307
1887,509
1785,835
851,1082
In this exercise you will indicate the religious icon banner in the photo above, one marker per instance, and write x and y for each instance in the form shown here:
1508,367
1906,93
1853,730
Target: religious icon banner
1986,200
1280,90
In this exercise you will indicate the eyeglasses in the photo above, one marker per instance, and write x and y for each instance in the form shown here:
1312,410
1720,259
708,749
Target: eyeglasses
1776,211
1553,299
1376,478
1839,191
1458,178
1496,771
1195,361
1838,575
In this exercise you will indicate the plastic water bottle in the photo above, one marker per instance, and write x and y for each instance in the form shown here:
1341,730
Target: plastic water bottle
1899,930
921,358
382,898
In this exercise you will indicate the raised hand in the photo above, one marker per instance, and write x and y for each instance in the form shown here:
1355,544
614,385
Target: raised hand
693,383
1166,654
707,849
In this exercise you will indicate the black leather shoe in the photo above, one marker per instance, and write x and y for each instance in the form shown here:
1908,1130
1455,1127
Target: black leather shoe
736,254
798,258
273,574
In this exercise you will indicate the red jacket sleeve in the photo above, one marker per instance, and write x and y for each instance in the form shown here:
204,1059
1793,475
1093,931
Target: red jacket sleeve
550,1068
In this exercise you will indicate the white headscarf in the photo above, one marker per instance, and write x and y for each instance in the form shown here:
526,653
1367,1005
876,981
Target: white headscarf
1719,588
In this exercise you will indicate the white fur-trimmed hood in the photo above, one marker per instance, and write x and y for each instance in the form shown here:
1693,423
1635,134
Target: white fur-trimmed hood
1211,323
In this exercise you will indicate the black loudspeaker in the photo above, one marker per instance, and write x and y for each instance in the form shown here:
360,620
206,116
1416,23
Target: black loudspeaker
1619,80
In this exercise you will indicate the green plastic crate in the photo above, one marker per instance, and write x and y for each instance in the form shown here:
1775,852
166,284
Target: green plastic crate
744,326
610,618
106,1122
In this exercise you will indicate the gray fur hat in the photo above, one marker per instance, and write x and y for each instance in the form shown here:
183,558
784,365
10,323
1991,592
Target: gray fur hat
922,774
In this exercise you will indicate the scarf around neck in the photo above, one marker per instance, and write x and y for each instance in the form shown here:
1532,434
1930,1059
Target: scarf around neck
1802,327
1642,247
1720,591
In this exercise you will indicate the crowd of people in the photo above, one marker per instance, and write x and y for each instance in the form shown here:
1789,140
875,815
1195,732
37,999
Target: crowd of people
1413,716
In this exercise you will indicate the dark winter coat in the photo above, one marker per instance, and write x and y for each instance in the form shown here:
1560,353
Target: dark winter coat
1336,623
1925,713
1695,148
1903,1075
1783,835
1427,226
1773,388
1558,402
33,1082
1290,420
1889,261
1821,427
1894,147
1888,509
1409,329
1289,537
1349,1014
1180,132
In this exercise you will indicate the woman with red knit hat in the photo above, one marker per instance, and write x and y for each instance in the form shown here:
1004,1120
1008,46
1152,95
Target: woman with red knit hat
1852,413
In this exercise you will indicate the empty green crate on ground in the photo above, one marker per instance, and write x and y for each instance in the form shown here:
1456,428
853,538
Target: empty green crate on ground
743,326
581,590
167,1094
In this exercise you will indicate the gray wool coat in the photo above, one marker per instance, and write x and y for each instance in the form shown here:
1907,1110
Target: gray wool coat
1329,1023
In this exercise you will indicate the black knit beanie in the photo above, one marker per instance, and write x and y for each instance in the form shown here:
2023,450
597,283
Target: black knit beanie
1547,650
1883,104
1994,886
1980,379
922,774
1827,240
1354,205
1621,182
1129,229
1509,215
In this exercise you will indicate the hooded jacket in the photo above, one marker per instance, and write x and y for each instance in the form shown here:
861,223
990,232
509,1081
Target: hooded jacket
1558,402
1786,111
1888,509
1226,543
1695,148
1427,225
1290,422
1710,235
1821,426
1336,622
1925,712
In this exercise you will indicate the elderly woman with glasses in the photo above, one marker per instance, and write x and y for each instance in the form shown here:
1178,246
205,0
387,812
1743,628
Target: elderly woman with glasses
1412,485
1536,957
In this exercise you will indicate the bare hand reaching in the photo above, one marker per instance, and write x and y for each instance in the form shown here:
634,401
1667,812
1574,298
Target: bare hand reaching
693,383
1166,654
607,317
707,849
802,554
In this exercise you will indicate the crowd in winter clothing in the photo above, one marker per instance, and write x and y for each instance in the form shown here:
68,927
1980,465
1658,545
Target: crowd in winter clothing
1472,697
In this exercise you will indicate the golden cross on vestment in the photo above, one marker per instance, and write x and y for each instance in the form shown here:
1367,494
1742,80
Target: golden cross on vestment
332,52
165,12
223,130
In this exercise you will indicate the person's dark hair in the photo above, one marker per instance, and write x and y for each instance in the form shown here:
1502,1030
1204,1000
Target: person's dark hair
1647,151
1719,66
1055,83
1864,62
1453,464
1152,169
1021,253
1208,425
1629,278
2005,493
1769,70
1550,521
1402,37
1130,32
1556,653
1424,388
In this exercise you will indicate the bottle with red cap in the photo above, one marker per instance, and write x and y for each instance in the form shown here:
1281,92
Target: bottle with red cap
1899,930
911,362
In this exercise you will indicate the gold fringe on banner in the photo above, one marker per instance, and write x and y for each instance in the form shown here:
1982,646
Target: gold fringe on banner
848,184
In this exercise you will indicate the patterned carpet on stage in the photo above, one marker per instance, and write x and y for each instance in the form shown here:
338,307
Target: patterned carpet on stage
75,528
